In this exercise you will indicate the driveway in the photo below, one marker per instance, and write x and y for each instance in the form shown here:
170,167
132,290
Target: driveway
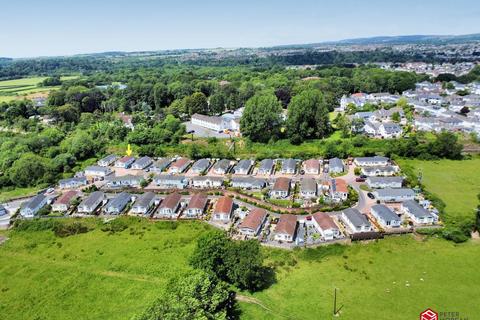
204,132
364,202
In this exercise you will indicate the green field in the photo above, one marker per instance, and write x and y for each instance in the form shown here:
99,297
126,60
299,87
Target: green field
19,88
457,183
6,195
101,276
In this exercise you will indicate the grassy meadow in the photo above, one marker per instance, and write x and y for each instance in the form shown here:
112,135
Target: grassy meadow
20,88
98,275
457,183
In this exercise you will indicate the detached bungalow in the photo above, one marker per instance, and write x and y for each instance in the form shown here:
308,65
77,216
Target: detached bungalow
335,165
379,171
91,203
124,181
118,204
384,182
308,188
356,221
371,161
222,166
168,181
72,183
394,195
179,165
248,183
160,165
107,161
253,222
144,203
281,188
31,207
201,166
196,205
124,162
97,172
266,167
169,206
64,202
417,213
385,216
206,182
243,167
338,190
311,166
142,163
326,226
223,209
286,228
289,166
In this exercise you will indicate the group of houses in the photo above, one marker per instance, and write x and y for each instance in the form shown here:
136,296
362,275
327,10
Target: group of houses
453,107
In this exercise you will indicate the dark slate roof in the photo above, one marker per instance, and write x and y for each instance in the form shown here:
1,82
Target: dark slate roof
35,202
335,163
120,201
92,198
144,200
266,165
143,162
356,218
243,165
289,164
416,209
385,213
201,165
223,164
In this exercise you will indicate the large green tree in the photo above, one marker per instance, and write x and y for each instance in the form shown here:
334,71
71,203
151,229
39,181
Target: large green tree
196,103
196,296
261,120
308,116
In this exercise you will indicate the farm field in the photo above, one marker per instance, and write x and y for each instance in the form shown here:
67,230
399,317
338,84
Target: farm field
457,183
20,88
98,275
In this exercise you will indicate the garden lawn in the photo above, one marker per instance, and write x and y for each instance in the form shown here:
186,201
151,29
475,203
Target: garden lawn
457,183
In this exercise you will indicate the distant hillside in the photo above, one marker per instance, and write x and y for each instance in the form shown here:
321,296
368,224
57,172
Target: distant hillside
411,39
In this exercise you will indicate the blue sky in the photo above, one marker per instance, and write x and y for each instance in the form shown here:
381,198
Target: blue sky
54,27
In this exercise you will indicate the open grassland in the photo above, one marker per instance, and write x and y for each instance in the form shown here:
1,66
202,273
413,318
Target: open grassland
6,195
94,275
20,88
98,275
457,183
395,278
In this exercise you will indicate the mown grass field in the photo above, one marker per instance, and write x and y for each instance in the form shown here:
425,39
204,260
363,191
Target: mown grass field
101,276
20,88
457,183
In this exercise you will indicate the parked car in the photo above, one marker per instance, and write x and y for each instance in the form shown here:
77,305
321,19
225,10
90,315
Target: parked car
370,195
359,179
363,176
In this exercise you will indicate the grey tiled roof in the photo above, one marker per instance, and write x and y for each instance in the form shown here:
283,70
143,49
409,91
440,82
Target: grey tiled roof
356,218
385,213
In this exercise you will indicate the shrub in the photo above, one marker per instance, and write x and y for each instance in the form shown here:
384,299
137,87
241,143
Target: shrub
63,230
